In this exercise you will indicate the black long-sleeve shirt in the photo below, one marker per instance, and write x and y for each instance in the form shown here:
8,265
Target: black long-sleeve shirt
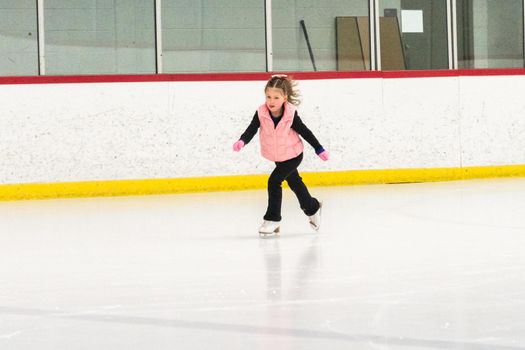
297,125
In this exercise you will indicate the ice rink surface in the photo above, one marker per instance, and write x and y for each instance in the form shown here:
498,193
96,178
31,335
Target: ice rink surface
413,266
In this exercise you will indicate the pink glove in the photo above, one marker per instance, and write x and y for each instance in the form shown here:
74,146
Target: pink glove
238,145
324,155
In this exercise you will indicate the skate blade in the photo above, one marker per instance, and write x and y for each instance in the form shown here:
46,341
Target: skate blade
312,225
275,233
315,228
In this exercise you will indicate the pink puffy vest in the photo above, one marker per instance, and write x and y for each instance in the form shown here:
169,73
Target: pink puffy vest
282,142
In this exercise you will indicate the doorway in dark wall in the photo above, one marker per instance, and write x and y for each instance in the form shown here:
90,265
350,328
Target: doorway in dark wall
427,49
464,14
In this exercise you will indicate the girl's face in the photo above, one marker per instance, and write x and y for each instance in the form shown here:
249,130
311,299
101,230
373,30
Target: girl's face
275,98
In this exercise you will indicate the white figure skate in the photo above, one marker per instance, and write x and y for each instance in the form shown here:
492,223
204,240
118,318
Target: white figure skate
315,220
269,227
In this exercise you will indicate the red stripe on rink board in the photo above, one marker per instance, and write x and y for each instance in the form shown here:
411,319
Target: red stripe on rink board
134,78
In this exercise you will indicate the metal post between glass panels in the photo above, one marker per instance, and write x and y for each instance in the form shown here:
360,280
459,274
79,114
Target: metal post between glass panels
268,34
523,29
377,34
158,36
449,36
40,36
372,37
453,42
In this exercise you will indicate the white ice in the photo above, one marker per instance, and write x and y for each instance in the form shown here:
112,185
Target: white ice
414,266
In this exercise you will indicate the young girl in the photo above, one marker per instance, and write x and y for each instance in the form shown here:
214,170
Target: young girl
280,143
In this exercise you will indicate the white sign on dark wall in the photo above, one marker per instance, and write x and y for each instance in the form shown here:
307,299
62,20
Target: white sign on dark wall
412,21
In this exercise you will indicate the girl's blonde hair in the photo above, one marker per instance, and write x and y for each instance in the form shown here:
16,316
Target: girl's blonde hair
287,85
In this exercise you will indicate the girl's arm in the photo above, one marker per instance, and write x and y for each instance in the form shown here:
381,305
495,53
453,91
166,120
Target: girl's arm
251,130
306,134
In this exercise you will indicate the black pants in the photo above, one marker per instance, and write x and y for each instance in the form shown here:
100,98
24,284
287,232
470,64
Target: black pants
287,170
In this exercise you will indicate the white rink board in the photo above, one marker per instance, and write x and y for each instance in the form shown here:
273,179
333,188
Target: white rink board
109,131
492,120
